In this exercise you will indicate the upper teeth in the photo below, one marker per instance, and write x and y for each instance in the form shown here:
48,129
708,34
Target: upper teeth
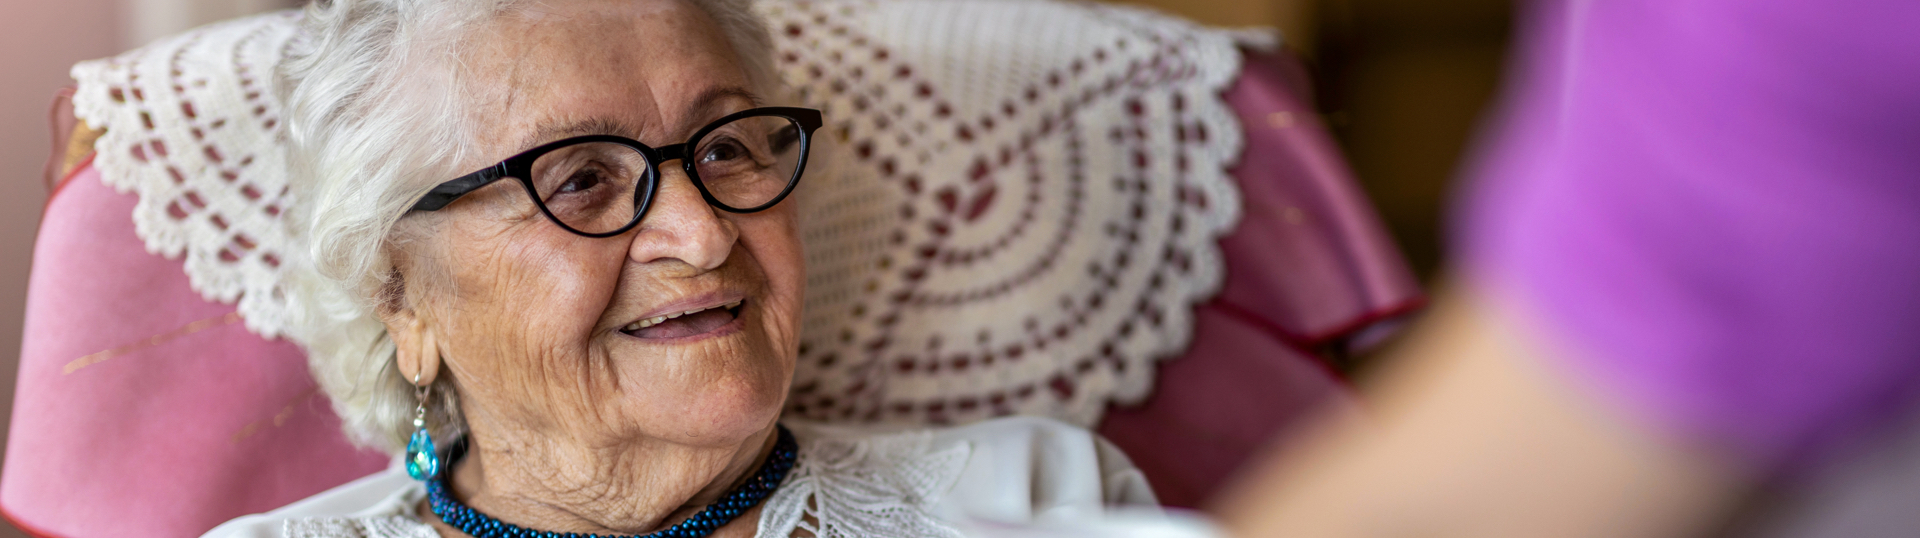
649,322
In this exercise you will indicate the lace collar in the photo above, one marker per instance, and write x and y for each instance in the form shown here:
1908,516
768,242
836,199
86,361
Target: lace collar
841,487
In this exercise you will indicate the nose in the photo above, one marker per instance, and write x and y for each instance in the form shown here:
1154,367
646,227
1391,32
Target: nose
679,225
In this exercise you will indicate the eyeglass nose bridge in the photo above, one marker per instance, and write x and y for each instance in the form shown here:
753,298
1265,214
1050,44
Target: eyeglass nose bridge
645,197
677,152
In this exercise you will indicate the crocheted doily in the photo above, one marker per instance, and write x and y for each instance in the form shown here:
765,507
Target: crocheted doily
1021,213
193,129
1030,210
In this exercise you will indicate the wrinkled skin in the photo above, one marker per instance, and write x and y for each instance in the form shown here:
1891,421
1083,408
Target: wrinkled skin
577,425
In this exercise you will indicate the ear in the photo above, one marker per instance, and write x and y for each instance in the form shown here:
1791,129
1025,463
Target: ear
418,353
416,346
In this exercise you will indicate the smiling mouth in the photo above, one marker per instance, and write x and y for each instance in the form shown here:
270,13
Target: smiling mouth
684,324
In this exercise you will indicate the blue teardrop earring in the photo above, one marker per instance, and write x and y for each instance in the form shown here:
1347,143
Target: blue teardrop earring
423,462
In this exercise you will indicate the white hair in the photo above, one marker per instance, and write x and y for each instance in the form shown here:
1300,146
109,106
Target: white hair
376,116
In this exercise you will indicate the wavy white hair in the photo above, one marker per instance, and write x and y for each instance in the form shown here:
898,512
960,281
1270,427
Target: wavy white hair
375,103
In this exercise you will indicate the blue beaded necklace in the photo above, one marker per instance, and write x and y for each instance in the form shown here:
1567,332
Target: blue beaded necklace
736,502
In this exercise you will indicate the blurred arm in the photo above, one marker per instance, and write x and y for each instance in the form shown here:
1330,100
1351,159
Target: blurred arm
1472,434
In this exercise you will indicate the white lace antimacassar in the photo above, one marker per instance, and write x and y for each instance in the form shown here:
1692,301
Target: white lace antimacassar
193,128
1022,211
1026,208
855,487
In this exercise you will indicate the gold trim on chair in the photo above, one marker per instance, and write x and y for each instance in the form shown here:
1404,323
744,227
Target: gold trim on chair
278,419
151,341
79,146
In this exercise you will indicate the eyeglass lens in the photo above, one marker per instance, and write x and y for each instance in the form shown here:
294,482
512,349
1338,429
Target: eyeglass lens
743,164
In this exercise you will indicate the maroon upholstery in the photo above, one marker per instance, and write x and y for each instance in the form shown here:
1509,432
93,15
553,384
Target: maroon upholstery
1309,264
144,410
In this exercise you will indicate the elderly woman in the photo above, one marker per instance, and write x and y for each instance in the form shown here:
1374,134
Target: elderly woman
551,237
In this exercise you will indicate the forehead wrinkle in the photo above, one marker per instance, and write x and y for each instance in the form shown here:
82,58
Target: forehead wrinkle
549,131
708,106
711,104
516,79
550,49
522,70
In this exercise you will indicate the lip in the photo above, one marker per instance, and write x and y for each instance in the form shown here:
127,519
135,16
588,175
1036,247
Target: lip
697,302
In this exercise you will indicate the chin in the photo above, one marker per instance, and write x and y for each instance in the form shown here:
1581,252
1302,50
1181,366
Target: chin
717,398
716,388
728,415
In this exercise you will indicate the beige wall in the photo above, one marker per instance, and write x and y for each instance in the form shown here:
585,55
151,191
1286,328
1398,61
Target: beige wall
1292,17
1402,84
147,20
39,40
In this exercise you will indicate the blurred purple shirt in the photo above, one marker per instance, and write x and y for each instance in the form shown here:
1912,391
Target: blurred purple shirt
1714,206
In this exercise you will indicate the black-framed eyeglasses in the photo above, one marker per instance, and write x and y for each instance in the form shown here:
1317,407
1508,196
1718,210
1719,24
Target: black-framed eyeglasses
601,185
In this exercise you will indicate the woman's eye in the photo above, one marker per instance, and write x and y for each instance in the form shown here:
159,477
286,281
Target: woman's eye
581,181
783,139
722,150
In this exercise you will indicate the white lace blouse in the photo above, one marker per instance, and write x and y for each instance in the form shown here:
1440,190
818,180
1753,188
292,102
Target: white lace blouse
998,477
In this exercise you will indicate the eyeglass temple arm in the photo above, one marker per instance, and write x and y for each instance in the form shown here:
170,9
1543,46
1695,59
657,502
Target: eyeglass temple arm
446,193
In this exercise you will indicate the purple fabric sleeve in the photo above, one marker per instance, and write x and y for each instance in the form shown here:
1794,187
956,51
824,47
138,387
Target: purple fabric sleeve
1714,207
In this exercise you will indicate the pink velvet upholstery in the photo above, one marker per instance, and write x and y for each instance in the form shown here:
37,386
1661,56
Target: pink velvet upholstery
144,410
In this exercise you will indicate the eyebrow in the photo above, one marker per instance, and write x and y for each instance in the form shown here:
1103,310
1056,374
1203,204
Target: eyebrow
708,105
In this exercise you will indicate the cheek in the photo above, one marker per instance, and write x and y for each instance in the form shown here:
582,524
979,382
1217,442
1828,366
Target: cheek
539,287
773,239
521,312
